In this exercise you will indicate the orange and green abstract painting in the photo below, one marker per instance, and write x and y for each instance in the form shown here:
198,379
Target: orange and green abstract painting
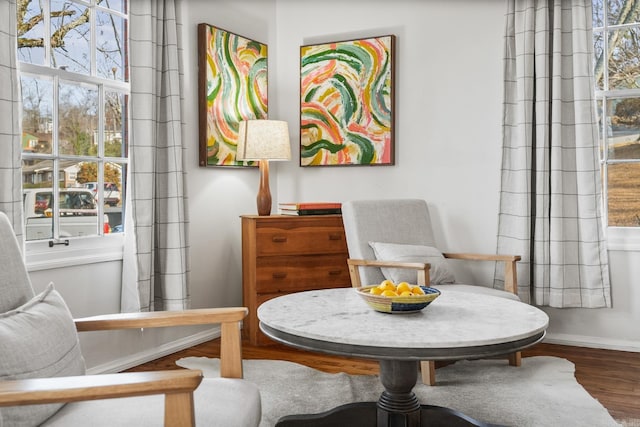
233,87
346,103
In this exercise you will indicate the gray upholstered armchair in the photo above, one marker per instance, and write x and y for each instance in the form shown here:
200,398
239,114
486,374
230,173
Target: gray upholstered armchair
393,239
42,371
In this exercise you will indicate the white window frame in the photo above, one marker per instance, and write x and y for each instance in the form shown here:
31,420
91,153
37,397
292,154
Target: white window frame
618,238
39,254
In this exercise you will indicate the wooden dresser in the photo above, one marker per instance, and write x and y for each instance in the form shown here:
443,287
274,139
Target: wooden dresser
283,254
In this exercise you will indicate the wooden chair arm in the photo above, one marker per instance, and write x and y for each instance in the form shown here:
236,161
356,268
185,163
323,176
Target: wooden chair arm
354,270
157,319
482,257
177,386
229,318
510,271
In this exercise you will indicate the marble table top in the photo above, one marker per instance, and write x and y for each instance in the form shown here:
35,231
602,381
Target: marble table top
456,324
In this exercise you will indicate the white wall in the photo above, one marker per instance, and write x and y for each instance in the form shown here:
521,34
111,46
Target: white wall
448,135
448,139
219,195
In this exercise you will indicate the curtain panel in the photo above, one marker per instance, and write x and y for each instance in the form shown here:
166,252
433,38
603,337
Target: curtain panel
156,261
550,198
10,133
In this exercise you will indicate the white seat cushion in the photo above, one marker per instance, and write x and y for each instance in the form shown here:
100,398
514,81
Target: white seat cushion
219,402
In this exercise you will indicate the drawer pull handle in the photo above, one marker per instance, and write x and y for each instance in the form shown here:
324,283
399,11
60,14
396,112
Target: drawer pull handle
335,237
279,239
335,272
279,275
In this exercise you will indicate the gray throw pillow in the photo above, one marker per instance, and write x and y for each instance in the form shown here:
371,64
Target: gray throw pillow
439,273
39,340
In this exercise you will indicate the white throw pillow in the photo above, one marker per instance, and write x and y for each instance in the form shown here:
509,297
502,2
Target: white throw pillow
438,274
37,340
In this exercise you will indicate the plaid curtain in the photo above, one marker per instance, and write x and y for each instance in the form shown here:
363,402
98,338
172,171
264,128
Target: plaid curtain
156,261
10,134
550,200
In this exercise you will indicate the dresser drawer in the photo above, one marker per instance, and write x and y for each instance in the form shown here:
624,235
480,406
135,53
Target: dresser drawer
300,241
301,272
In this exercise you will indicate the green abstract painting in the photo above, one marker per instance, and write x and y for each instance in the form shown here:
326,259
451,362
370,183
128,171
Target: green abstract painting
346,102
232,82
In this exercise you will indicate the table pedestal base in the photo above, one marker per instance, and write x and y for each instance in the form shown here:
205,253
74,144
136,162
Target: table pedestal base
367,414
397,406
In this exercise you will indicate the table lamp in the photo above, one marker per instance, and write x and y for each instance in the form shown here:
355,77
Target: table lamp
263,140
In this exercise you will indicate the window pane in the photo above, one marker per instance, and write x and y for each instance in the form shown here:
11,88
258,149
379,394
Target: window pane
31,33
70,37
114,193
117,5
114,125
76,205
36,173
78,120
624,61
624,195
598,58
622,12
111,194
597,13
37,113
38,206
623,130
113,183
110,46
601,129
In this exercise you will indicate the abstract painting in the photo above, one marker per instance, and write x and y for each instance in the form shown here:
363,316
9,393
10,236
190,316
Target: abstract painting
232,86
346,103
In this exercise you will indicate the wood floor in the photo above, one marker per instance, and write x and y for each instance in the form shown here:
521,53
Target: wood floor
612,377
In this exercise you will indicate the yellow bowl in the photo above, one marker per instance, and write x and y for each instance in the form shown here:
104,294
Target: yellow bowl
399,304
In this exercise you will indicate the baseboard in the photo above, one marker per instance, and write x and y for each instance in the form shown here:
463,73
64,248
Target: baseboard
136,359
592,342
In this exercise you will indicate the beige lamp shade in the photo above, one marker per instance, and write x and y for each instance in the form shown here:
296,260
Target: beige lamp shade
263,140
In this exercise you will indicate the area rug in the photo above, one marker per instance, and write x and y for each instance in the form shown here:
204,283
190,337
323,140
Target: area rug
543,392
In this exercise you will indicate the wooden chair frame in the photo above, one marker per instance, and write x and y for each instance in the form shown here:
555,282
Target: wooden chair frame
177,385
427,367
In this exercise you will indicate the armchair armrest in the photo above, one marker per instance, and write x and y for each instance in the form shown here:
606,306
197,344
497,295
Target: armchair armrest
157,319
177,386
354,270
510,272
228,318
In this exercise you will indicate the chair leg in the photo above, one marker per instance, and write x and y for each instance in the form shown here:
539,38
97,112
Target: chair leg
428,370
515,359
179,410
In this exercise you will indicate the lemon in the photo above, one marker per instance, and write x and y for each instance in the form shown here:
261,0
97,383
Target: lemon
389,293
403,287
406,294
375,291
417,290
387,285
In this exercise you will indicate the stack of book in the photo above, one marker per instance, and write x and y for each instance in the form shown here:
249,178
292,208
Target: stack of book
310,208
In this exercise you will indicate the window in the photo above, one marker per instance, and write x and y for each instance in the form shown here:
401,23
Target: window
74,80
616,34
